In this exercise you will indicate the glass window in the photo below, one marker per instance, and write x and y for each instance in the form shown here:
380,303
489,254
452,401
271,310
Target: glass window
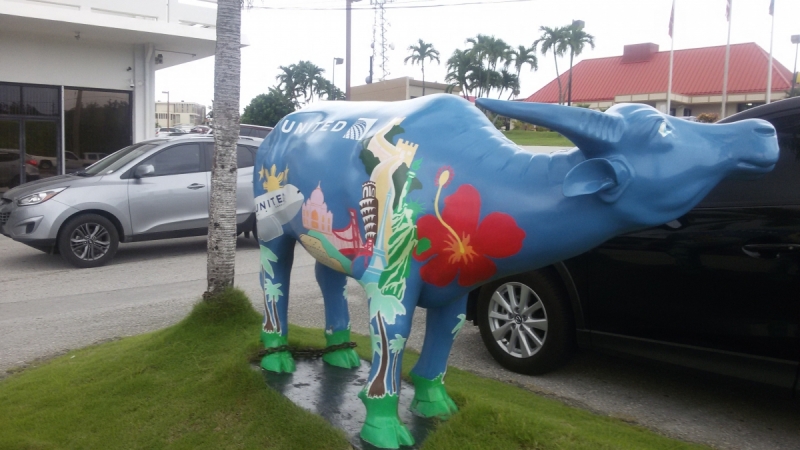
121,158
244,157
10,99
184,158
40,101
96,121
779,187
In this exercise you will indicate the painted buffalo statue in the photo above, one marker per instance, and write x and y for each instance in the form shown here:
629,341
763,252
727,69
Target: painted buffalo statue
423,200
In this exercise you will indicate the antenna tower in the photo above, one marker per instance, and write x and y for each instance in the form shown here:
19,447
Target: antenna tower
379,28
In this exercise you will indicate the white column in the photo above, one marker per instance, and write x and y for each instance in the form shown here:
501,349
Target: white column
144,92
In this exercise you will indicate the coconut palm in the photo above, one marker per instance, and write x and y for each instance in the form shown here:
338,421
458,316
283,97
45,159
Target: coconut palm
459,66
576,40
480,45
289,83
396,346
520,56
311,76
553,40
507,81
222,205
419,53
487,51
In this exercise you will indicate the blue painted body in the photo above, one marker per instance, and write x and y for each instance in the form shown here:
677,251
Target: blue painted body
634,168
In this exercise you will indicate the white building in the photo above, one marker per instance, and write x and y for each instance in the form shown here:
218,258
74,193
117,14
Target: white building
79,75
180,113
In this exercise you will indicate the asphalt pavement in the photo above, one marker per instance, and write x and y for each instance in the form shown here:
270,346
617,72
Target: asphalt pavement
47,308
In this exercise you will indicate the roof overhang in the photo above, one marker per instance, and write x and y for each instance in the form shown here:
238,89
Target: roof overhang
178,43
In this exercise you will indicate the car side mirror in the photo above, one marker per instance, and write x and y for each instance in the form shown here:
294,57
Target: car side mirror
143,170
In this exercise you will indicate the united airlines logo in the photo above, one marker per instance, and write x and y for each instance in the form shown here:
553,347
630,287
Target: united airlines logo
359,129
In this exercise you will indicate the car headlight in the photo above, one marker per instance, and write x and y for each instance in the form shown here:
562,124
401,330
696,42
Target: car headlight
39,197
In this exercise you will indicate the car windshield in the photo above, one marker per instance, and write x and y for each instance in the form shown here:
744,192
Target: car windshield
119,159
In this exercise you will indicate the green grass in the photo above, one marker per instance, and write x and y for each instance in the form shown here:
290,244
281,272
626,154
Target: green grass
545,138
190,386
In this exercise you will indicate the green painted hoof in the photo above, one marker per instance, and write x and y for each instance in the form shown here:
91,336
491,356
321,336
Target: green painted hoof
431,399
382,427
346,358
279,362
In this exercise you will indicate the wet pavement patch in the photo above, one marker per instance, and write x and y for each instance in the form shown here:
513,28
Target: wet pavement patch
332,392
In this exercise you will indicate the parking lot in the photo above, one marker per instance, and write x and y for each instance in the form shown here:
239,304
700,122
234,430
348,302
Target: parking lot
47,307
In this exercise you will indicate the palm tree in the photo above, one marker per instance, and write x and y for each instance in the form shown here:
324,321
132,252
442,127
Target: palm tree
508,81
289,82
310,79
419,53
459,66
478,51
396,346
496,50
576,39
520,56
553,40
488,50
222,206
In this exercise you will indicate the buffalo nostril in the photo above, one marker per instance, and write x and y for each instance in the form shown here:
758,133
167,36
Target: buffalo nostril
765,131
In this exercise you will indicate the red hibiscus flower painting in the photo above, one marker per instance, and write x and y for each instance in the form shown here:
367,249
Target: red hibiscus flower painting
460,246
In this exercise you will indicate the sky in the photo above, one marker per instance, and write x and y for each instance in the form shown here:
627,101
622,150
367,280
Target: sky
284,32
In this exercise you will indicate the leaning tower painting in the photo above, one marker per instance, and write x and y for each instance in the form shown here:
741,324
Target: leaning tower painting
369,212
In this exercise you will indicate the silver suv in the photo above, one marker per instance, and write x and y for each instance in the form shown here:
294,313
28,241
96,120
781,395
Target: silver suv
154,189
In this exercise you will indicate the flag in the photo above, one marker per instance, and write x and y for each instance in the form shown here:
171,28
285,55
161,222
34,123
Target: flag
771,7
672,18
728,11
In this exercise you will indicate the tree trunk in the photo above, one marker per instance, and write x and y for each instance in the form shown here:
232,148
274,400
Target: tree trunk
222,208
560,95
569,86
378,386
423,78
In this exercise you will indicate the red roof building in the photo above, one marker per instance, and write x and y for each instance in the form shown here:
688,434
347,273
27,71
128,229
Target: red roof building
641,75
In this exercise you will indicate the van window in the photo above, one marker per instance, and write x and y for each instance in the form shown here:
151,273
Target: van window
779,187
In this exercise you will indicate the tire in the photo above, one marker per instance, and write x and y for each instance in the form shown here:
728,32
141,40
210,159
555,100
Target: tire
254,231
14,182
45,165
548,318
88,240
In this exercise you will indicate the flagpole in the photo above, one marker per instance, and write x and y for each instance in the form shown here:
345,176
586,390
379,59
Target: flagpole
727,59
771,37
671,54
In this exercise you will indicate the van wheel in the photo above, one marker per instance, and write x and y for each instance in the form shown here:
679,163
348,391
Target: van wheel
88,240
526,322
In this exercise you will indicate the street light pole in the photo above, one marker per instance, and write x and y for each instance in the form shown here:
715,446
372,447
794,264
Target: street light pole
796,42
167,92
336,62
348,55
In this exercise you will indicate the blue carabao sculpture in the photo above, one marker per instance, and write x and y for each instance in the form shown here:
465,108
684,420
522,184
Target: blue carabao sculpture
421,201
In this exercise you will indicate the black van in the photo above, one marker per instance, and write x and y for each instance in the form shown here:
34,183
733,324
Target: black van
717,290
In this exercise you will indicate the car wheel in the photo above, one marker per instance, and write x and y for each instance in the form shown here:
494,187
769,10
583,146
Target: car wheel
88,240
14,182
45,165
526,322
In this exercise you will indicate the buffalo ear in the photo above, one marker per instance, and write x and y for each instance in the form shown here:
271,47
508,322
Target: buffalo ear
597,175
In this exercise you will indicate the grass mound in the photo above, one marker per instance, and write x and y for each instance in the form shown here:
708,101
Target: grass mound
187,386
190,387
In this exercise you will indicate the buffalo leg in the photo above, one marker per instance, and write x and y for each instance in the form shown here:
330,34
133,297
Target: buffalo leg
442,324
337,316
277,256
390,324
